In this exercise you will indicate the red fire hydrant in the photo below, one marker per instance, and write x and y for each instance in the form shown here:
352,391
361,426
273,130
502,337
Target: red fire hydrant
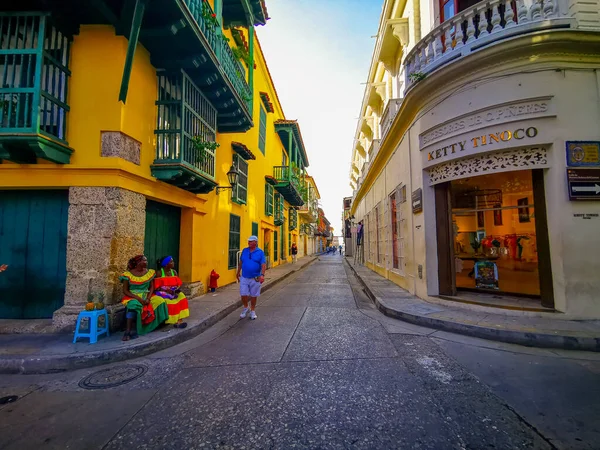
214,276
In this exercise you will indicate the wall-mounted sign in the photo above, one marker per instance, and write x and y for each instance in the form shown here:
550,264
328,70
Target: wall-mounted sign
483,140
584,184
417,201
583,153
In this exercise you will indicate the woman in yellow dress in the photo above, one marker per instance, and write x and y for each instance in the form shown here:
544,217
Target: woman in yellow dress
147,309
168,286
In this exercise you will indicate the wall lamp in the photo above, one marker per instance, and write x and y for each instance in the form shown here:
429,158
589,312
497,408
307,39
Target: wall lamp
232,177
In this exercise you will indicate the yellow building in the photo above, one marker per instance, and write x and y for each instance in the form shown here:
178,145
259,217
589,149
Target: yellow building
110,113
308,218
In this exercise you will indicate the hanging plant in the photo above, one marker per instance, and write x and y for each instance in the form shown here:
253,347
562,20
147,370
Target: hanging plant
203,148
417,76
208,16
241,54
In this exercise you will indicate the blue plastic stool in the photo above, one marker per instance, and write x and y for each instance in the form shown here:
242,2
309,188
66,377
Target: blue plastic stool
93,331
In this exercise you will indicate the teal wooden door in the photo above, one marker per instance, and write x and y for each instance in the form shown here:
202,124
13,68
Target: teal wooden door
33,242
163,224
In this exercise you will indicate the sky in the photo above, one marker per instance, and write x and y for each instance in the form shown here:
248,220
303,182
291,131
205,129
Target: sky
318,53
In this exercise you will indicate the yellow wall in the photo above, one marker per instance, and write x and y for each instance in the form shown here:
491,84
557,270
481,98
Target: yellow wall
97,61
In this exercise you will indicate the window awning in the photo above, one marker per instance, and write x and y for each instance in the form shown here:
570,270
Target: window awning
242,150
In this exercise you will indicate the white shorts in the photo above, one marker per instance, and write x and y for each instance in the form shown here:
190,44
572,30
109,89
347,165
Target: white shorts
249,287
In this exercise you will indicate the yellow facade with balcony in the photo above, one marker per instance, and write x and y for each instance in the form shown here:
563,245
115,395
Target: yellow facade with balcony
121,124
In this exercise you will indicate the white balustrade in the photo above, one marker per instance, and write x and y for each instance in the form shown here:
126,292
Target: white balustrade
486,20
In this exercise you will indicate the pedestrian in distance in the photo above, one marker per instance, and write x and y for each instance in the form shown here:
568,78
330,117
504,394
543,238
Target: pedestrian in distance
340,247
294,252
252,267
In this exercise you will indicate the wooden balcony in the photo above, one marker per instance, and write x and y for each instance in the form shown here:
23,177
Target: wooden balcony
288,185
178,161
33,89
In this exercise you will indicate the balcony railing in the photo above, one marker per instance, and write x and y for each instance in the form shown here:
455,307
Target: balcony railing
480,25
34,75
288,184
184,114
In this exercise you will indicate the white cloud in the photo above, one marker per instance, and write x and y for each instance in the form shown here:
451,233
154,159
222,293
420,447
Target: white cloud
318,53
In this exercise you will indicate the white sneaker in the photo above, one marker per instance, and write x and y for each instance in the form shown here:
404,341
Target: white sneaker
252,315
244,312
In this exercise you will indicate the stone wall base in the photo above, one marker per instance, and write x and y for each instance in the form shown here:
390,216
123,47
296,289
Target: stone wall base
193,289
65,318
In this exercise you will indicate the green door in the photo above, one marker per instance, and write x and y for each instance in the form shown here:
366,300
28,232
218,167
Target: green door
163,224
33,242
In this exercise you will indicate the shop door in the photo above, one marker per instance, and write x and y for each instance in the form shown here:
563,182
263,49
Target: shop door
33,242
275,236
163,224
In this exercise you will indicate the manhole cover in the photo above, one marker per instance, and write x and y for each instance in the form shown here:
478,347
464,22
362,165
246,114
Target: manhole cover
115,376
8,399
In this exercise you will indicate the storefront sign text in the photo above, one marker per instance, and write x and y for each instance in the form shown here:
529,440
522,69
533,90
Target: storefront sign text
480,141
487,117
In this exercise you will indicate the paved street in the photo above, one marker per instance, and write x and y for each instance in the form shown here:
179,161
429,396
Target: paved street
319,368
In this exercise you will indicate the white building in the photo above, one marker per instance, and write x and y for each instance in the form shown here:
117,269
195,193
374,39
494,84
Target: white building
478,147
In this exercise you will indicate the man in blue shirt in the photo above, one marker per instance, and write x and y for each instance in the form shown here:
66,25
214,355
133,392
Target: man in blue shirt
253,265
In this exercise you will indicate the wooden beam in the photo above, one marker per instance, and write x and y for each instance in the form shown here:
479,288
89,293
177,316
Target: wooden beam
136,25
105,10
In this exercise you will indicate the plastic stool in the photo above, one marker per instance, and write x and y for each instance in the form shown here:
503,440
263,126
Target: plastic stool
93,331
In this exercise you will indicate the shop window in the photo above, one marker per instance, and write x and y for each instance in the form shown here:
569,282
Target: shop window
234,240
495,245
240,190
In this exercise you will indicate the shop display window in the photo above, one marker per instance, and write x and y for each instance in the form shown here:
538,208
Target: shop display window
495,248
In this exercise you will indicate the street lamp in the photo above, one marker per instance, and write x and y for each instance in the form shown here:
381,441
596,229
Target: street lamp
232,177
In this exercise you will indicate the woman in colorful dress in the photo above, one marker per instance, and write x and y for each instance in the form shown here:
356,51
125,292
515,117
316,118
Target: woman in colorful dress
168,286
138,291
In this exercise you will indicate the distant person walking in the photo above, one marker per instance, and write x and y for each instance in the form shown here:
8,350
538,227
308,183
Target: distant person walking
253,265
294,252
340,247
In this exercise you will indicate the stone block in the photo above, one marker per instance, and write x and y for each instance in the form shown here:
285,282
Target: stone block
87,195
131,222
86,254
105,221
119,145
193,289
122,197
76,289
81,221
64,319
116,317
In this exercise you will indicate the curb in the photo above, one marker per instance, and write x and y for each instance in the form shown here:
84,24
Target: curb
57,364
528,339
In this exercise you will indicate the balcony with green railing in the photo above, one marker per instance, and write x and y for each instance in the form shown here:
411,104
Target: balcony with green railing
186,127
187,35
34,74
288,184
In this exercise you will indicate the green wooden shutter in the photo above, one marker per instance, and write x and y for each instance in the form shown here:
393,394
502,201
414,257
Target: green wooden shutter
268,199
234,240
240,190
262,130
254,229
